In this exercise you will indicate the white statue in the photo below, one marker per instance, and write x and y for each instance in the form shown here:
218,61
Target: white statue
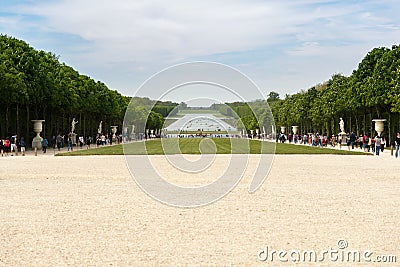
341,125
73,123
100,127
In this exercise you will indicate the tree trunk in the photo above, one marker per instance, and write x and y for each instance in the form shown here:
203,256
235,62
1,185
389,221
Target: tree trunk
357,128
6,122
365,122
350,126
370,123
28,123
389,142
84,125
80,121
17,120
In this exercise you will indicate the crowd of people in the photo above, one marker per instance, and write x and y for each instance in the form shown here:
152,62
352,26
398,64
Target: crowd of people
364,142
11,146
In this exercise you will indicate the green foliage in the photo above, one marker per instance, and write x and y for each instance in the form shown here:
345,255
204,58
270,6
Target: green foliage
51,90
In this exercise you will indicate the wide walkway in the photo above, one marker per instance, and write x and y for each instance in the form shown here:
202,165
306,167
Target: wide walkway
88,211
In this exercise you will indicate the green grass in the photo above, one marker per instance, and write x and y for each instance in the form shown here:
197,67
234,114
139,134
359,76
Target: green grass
206,145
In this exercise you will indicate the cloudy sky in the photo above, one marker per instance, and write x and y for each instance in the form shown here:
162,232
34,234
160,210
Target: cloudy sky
283,45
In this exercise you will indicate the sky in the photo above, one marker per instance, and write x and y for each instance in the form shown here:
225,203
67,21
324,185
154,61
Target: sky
283,46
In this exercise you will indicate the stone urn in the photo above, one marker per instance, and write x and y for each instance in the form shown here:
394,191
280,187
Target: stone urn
379,125
295,129
283,128
37,140
114,131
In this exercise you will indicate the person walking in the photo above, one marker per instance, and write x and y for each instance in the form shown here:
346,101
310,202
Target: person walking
70,142
88,142
45,143
22,146
2,147
397,144
353,139
6,145
14,147
59,141
378,142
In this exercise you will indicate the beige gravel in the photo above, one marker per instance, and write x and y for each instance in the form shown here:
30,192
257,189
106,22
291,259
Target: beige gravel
88,211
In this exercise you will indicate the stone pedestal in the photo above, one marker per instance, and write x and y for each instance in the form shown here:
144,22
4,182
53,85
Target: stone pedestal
37,140
114,130
73,137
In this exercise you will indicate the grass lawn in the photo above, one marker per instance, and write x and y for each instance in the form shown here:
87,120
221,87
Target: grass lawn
206,145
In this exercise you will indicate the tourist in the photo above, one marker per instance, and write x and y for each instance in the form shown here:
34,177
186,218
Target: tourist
383,143
70,142
88,142
2,147
81,141
373,144
348,142
45,143
333,140
59,141
397,144
13,144
352,139
22,146
378,142
7,145
365,141
103,140
53,142
305,139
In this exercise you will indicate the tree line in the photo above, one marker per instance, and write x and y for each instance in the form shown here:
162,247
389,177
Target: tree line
371,91
36,85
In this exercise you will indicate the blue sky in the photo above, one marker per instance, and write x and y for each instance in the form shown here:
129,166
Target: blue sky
283,46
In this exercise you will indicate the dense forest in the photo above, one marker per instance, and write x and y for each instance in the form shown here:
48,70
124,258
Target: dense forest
36,85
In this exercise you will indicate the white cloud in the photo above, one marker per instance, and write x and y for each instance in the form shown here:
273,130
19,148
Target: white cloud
142,37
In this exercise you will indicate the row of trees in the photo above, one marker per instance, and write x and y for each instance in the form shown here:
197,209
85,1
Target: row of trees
145,113
371,91
36,85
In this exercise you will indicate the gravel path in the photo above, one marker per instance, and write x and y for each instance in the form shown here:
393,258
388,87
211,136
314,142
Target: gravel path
88,211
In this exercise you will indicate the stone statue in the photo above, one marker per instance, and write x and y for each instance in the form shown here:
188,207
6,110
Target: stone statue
73,123
100,127
341,125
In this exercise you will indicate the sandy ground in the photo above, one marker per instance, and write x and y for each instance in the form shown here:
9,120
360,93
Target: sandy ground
89,211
